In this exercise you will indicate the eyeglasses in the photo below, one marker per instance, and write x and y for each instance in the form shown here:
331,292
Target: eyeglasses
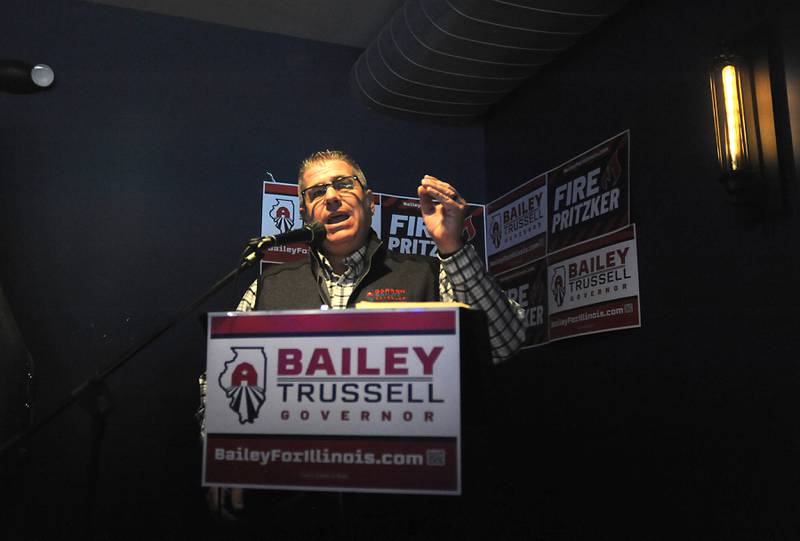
340,184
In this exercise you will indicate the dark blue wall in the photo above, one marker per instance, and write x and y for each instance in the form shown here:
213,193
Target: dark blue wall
128,189
687,427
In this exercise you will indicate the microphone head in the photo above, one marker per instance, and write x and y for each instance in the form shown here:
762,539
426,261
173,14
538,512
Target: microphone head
318,233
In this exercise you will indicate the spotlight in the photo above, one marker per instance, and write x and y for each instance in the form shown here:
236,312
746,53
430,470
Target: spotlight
18,77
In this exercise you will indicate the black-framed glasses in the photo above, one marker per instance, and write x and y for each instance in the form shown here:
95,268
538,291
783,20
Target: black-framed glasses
340,184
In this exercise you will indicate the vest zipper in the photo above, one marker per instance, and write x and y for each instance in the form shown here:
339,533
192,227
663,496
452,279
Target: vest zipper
364,274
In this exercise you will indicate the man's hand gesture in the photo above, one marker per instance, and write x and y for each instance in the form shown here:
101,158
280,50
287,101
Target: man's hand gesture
443,211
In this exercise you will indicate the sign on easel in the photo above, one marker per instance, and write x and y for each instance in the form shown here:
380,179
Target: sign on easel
344,400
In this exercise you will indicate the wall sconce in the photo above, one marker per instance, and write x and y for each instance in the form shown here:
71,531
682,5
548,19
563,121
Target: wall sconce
751,123
729,123
18,77
734,119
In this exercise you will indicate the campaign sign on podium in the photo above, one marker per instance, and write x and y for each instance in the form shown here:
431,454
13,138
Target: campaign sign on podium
341,400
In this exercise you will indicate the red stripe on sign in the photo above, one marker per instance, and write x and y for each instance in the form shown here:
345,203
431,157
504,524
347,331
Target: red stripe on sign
607,316
518,254
287,254
367,321
280,189
590,245
323,463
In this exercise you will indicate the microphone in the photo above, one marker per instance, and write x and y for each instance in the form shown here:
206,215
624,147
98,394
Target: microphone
312,234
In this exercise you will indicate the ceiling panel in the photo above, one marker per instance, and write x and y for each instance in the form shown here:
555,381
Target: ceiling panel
352,22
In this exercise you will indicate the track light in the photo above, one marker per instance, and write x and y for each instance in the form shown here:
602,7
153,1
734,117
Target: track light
18,77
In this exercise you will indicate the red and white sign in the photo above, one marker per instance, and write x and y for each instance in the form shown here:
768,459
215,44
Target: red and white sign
594,286
517,226
280,212
341,400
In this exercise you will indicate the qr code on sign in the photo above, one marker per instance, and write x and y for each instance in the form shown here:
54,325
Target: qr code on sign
435,457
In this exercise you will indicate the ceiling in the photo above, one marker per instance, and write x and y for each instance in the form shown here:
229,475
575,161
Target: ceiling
427,59
345,22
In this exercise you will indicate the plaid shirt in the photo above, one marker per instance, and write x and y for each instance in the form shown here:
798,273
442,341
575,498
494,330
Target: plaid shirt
462,278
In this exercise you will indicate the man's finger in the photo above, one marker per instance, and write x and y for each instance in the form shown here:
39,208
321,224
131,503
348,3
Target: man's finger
427,205
448,198
441,186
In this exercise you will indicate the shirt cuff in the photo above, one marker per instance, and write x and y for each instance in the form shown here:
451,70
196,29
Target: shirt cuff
463,266
443,257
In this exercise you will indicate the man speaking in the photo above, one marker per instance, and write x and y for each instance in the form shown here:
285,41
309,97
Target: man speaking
353,265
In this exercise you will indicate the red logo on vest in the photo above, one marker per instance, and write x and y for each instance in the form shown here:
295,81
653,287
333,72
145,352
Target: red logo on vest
387,294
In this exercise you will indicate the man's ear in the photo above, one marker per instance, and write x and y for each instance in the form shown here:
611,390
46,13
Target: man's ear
304,214
371,202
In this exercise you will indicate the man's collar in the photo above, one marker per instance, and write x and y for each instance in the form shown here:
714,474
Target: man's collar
354,263
359,257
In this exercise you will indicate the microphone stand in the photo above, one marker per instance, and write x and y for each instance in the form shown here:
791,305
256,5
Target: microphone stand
93,394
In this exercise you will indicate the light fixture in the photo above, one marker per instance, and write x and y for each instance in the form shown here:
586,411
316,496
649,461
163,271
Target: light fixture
736,128
18,77
751,122
729,114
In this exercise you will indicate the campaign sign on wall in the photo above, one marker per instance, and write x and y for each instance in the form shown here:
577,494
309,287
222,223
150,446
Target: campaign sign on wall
404,229
594,286
588,196
517,226
344,400
527,285
280,212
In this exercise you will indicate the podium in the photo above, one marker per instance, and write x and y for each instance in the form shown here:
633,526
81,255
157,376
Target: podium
375,400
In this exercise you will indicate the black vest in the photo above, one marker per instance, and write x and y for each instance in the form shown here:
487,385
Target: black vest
390,277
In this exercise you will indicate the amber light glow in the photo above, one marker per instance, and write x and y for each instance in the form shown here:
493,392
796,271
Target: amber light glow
729,116
733,116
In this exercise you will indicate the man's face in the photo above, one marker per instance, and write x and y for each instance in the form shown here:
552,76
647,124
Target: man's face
346,214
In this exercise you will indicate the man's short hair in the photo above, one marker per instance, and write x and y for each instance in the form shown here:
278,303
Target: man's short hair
328,156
